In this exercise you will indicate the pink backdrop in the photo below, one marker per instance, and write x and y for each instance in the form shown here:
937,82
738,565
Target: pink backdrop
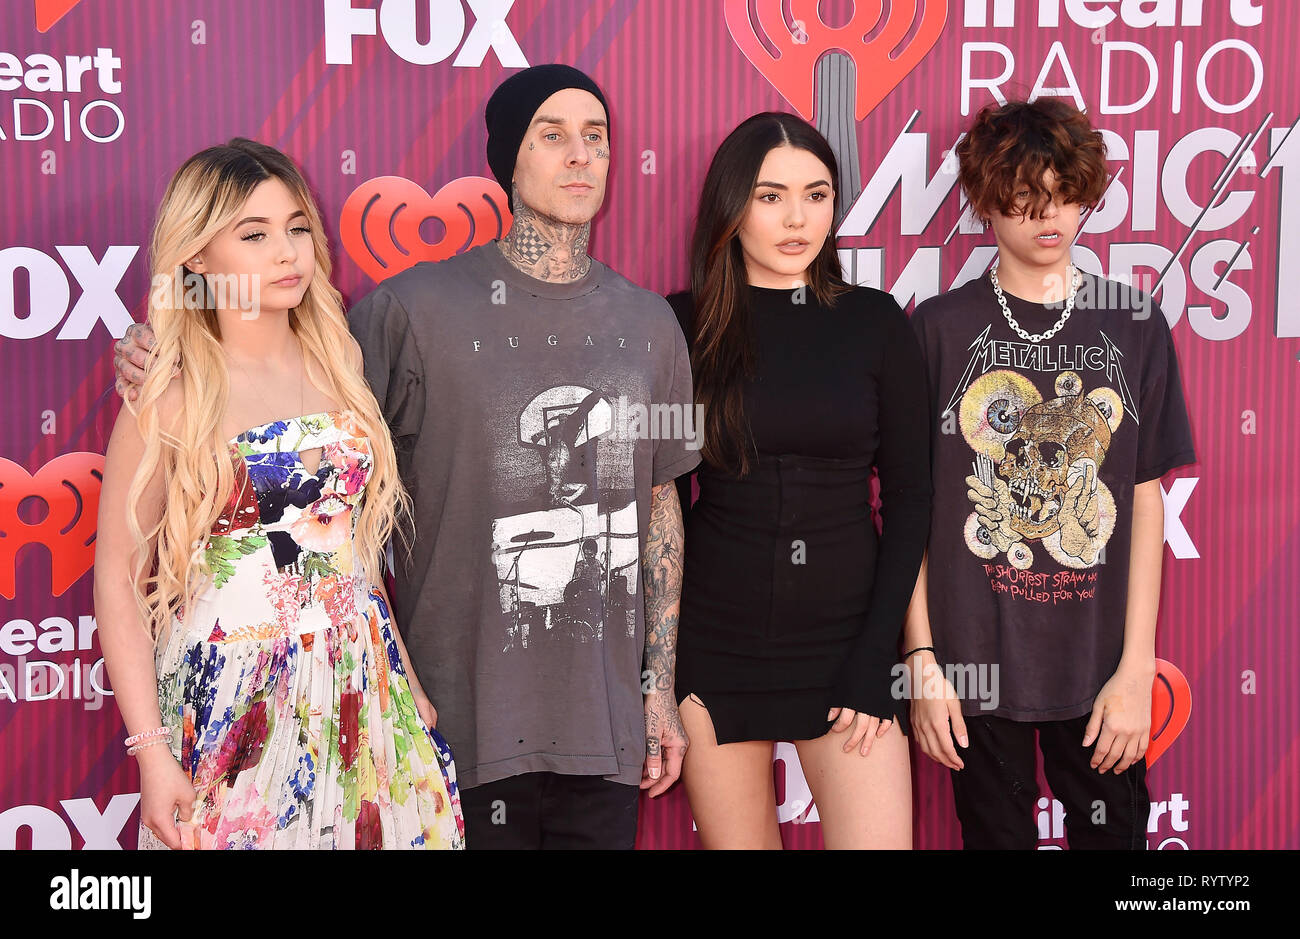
355,90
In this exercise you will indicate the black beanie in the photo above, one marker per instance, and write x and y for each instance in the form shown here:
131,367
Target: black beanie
511,108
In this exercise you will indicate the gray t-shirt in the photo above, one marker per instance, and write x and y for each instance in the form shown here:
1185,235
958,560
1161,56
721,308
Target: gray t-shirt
519,411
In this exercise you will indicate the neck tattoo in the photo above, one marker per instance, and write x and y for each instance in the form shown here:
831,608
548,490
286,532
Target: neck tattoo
541,247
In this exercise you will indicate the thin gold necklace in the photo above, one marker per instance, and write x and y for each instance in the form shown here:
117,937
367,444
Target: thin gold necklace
302,400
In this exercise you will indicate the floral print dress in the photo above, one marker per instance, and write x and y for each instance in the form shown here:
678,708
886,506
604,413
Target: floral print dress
290,708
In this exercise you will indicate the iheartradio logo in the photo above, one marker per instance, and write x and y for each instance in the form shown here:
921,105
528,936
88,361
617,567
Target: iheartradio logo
885,42
49,12
1171,706
381,221
63,496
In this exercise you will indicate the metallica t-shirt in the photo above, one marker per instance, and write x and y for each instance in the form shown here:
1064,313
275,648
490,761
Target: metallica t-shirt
531,420
1037,448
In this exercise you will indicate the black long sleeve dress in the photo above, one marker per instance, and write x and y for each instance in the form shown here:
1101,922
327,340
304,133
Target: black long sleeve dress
791,602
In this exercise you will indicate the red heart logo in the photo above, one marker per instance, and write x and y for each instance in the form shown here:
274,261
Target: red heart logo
49,12
1171,706
67,488
881,63
381,219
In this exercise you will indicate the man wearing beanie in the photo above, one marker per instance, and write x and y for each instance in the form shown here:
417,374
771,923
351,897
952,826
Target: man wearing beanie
545,573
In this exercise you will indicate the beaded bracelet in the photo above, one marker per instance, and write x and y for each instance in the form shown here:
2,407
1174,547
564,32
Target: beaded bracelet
131,751
147,735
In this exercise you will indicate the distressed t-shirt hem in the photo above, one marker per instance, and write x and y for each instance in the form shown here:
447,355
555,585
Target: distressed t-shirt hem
564,764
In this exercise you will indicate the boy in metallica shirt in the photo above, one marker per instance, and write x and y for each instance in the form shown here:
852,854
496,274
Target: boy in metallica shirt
1057,408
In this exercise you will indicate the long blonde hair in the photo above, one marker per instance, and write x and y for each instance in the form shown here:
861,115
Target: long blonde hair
205,196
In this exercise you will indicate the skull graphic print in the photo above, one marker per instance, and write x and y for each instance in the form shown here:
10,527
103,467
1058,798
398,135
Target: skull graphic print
1034,480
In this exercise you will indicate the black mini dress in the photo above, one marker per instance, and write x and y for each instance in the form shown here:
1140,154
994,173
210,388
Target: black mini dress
792,603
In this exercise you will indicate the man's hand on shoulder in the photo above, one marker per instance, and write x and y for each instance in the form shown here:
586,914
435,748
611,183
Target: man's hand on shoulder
130,356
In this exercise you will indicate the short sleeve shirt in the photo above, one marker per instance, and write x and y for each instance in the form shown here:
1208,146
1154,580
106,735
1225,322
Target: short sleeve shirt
531,420
1037,449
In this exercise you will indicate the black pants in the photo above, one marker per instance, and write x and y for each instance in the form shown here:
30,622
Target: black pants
550,811
997,791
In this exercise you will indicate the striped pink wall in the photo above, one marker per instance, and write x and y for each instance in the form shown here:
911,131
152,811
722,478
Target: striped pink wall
677,83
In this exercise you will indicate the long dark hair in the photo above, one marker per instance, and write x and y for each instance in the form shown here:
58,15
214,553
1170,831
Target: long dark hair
722,353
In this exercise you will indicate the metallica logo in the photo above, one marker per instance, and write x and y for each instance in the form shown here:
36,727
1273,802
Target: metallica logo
989,353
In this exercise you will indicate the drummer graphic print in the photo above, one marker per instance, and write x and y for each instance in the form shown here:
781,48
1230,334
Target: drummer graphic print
1035,485
566,550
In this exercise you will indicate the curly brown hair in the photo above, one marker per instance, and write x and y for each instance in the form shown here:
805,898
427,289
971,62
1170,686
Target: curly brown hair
1012,146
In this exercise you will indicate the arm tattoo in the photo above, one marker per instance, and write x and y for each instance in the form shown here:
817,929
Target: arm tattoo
546,249
661,576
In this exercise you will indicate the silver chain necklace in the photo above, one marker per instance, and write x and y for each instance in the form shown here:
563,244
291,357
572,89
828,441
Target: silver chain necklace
1006,310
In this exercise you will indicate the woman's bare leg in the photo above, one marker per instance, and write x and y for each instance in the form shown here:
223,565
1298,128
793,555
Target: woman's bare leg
729,787
863,801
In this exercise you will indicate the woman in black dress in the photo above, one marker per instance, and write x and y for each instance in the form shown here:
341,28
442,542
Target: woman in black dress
792,604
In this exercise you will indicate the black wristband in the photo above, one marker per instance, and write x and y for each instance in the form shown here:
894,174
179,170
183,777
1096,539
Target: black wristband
920,649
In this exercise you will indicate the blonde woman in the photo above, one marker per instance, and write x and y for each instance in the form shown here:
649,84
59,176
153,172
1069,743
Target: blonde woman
246,502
